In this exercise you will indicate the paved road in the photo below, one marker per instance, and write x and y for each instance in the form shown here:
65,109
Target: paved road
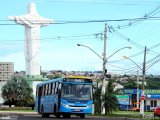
23,116
35,116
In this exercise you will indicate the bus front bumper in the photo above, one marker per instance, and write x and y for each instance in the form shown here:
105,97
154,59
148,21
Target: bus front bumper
66,108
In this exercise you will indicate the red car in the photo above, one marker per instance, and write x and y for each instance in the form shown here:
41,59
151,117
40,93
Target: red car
157,111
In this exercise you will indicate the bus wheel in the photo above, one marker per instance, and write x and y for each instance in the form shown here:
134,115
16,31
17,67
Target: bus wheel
42,112
65,115
56,113
82,116
44,115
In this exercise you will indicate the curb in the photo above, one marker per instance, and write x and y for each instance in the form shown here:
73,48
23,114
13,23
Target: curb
17,112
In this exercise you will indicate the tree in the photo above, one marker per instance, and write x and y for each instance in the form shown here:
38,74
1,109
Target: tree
44,74
97,97
131,84
54,76
109,98
97,100
17,92
152,83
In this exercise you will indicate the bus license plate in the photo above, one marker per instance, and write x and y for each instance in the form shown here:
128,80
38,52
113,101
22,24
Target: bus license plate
76,110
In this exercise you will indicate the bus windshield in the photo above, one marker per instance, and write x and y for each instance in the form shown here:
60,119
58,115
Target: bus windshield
76,92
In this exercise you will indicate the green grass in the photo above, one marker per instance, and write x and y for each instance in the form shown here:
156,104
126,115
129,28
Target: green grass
19,110
128,114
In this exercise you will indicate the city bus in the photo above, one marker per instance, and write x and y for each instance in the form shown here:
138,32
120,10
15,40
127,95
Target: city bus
66,96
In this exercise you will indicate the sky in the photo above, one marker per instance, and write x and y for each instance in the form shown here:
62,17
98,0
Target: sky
133,23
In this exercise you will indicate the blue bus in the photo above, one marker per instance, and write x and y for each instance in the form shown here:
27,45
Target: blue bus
66,96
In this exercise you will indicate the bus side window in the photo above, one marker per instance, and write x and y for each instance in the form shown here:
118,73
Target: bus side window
49,89
43,90
46,90
53,86
60,86
39,92
56,88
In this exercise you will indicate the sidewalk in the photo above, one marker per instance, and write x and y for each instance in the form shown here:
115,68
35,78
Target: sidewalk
17,112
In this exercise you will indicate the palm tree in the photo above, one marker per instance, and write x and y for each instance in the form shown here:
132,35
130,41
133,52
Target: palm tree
109,98
97,100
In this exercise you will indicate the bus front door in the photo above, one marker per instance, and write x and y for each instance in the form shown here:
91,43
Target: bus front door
39,99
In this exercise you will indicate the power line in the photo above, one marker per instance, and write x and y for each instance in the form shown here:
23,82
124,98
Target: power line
153,63
136,54
138,21
154,60
86,21
118,34
96,35
126,3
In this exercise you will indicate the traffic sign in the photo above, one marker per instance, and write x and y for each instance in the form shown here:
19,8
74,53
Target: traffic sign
142,97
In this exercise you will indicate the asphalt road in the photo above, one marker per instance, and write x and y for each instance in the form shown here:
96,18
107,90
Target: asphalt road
30,116
35,116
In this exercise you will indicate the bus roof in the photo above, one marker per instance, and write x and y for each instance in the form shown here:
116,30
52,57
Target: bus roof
61,79
78,77
50,81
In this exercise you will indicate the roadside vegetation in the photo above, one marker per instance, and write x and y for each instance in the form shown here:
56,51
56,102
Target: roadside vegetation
109,98
17,92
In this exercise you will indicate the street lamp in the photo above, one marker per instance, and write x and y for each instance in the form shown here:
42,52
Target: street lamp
117,51
104,70
133,62
99,55
143,73
91,50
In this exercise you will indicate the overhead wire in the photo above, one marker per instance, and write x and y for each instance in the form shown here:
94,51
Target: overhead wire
136,54
67,22
96,35
130,3
153,63
138,21
120,35
85,21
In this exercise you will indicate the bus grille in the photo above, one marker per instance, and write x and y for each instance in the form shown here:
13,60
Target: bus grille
82,102
76,106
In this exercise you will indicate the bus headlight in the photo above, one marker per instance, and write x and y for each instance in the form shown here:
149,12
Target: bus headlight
63,104
89,106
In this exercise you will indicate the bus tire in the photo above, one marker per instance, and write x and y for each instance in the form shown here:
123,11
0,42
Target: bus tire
82,116
44,115
56,113
66,115
42,112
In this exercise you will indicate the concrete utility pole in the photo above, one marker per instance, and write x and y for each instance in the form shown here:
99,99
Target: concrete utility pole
143,80
104,59
137,90
104,70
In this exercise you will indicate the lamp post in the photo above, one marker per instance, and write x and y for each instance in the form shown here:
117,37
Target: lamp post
91,50
143,79
104,59
137,90
118,51
137,80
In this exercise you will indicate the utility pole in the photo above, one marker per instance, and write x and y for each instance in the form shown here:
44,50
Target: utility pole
104,70
137,90
143,80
